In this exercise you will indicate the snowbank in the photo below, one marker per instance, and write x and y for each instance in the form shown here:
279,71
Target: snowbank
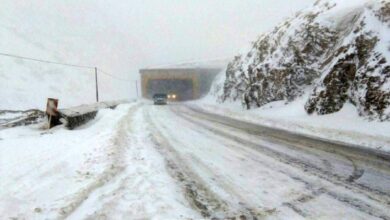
344,126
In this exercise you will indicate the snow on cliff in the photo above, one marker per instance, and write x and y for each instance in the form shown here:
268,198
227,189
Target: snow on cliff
332,54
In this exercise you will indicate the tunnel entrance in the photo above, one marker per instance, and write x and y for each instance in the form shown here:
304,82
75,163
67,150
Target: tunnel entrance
187,83
182,88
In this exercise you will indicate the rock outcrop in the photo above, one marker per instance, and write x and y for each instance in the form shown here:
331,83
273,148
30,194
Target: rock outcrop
336,51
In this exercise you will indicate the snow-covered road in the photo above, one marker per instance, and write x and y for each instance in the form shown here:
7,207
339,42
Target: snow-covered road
257,175
173,162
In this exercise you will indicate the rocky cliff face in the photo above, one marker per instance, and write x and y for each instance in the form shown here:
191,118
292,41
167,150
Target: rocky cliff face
336,51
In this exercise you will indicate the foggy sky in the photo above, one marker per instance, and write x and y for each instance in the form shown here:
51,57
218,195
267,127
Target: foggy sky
123,36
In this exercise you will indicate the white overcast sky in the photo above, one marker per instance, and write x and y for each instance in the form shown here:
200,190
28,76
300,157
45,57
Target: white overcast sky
123,36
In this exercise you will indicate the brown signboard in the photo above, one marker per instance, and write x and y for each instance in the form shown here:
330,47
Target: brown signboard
52,112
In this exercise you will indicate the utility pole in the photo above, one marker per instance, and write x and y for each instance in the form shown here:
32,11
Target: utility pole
97,87
136,87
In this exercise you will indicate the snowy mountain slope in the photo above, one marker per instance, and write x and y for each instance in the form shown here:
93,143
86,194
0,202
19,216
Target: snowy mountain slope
336,51
26,84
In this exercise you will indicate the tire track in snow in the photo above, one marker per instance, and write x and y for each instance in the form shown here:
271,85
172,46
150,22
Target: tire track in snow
355,173
144,190
117,146
294,204
229,187
316,171
202,199
205,202
369,157
287,143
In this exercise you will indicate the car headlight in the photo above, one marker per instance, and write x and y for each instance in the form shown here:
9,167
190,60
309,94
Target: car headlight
174,96
169,96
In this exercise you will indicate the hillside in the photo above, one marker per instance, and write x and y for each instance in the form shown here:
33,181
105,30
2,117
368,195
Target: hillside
333,54
26,84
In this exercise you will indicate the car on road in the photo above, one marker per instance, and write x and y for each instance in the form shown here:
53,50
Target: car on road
172,96
160,99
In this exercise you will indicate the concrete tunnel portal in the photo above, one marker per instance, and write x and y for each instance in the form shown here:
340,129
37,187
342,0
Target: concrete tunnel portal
187,83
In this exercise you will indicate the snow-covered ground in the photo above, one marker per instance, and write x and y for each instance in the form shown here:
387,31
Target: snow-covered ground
106,167
344,126
233,165
142,161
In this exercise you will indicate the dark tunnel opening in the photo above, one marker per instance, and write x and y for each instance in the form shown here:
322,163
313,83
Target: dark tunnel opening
182,88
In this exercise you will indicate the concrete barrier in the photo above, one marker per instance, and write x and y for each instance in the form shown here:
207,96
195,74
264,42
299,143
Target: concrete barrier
11,118
79,115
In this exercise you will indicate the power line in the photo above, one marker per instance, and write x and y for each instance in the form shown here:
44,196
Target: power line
63,64
115,77
71,65
46,61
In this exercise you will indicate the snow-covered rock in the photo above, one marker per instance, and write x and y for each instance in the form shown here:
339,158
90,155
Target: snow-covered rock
337,51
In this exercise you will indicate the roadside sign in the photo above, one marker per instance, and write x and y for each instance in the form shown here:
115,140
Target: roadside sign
52,112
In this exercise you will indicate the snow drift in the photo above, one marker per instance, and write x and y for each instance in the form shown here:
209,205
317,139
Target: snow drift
335,52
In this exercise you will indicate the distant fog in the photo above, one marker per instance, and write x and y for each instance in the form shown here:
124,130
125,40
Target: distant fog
122,36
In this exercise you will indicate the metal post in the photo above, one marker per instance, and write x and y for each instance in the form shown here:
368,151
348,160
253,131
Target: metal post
97,87
136,87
